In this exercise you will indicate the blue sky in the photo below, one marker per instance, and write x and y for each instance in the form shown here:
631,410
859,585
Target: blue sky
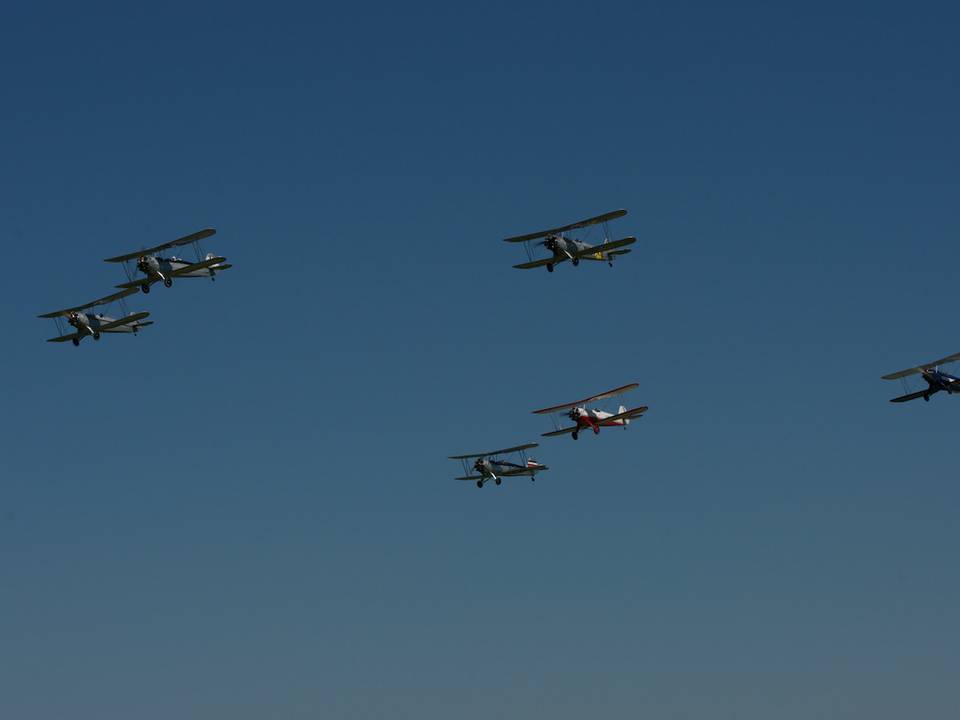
247,511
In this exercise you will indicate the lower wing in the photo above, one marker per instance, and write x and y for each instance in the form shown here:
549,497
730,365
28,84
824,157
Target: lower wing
909,396
197,266
137,283
470,477
128,320
626,415
597,252
554,433
540,263
64,338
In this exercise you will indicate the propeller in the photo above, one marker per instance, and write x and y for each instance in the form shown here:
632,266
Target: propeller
573,414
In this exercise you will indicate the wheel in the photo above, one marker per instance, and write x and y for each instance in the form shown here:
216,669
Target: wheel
926,398
145,288
167,282
96,335
574,434
532,479
76,342
479,483
575,261
549,267
497,481
609,263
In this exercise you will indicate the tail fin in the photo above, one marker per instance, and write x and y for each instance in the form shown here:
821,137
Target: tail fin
623,409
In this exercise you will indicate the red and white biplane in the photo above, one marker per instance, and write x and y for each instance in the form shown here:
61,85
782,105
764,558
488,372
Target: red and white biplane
593,418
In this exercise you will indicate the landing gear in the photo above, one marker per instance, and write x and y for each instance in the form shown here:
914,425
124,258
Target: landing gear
926,397
575,261
549,267
497,481
574,434
610,263
145,288
96,335
479,483
167,282
532,479
76,342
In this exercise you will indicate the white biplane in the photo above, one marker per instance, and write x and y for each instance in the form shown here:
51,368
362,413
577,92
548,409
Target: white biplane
488,466
93,324
567,248
156,268
593,418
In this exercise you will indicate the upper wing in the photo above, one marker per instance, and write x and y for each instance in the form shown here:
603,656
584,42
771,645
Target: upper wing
494,452
921,368
93,303
539,263
185,240
197,266
627,414
601,396
606,247
573,226
129,319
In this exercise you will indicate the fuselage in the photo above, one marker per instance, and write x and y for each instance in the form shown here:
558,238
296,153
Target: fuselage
91,324
564,248
156,267
937,381
585,417
502,468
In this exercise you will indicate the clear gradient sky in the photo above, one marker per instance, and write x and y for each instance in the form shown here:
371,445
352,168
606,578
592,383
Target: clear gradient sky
246,512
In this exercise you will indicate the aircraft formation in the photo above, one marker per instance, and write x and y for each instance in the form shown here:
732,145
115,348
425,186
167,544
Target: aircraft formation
143,268
570,418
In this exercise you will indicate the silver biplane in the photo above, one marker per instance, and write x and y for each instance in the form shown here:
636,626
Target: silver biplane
564,248
592,418
487,466
93,324
935,378
156,268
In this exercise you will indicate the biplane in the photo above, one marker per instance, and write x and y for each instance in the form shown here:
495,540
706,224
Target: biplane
564,248
935,378
156,268
487,466
93,324
583,417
